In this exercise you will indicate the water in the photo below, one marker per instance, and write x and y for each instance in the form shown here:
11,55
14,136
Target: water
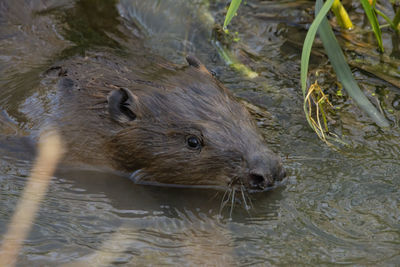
336,206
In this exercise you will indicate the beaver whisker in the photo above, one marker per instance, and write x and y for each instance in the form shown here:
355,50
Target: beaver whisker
215,195
231,197
248,197
100,102
95,108
224,202
232,203
242,188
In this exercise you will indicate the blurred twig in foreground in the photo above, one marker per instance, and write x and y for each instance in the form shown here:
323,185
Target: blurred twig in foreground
50,152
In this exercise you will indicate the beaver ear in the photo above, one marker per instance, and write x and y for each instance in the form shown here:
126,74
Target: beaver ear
121,103
195,62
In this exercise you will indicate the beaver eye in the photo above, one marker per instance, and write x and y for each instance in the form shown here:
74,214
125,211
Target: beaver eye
193,142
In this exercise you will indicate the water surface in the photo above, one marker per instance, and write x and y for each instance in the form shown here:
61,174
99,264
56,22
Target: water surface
336,206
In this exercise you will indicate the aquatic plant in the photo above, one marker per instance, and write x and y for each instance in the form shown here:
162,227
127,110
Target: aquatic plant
341,15
314,98
338,61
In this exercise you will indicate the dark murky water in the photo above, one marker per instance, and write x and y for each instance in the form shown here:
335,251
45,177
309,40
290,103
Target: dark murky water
337,206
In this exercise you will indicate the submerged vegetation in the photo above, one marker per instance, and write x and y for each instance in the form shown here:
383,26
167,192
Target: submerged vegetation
316,102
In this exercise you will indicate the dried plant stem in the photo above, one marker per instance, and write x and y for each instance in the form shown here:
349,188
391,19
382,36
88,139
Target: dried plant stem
50,152
315,98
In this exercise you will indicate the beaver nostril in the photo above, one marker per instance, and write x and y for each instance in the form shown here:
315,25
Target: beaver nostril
257,181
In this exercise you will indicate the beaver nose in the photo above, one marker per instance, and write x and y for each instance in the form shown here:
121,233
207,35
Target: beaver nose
265,173
257,181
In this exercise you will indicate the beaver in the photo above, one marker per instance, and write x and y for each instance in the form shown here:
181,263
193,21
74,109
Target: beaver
162,123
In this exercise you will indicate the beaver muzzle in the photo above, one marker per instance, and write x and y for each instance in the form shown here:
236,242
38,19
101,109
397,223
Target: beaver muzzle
263,173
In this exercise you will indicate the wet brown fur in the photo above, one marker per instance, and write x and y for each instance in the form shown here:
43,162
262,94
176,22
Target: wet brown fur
171,103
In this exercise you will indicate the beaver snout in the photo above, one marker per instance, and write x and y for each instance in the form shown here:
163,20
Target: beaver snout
265,173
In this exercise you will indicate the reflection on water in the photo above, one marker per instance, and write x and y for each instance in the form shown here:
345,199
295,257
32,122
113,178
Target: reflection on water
335,207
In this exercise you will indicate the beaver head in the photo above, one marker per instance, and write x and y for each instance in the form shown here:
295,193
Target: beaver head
188,129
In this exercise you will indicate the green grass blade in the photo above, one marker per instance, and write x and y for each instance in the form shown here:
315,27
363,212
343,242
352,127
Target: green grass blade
233,62
396,20
373,20
343,71
305,54
388,20
308,42
233,7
